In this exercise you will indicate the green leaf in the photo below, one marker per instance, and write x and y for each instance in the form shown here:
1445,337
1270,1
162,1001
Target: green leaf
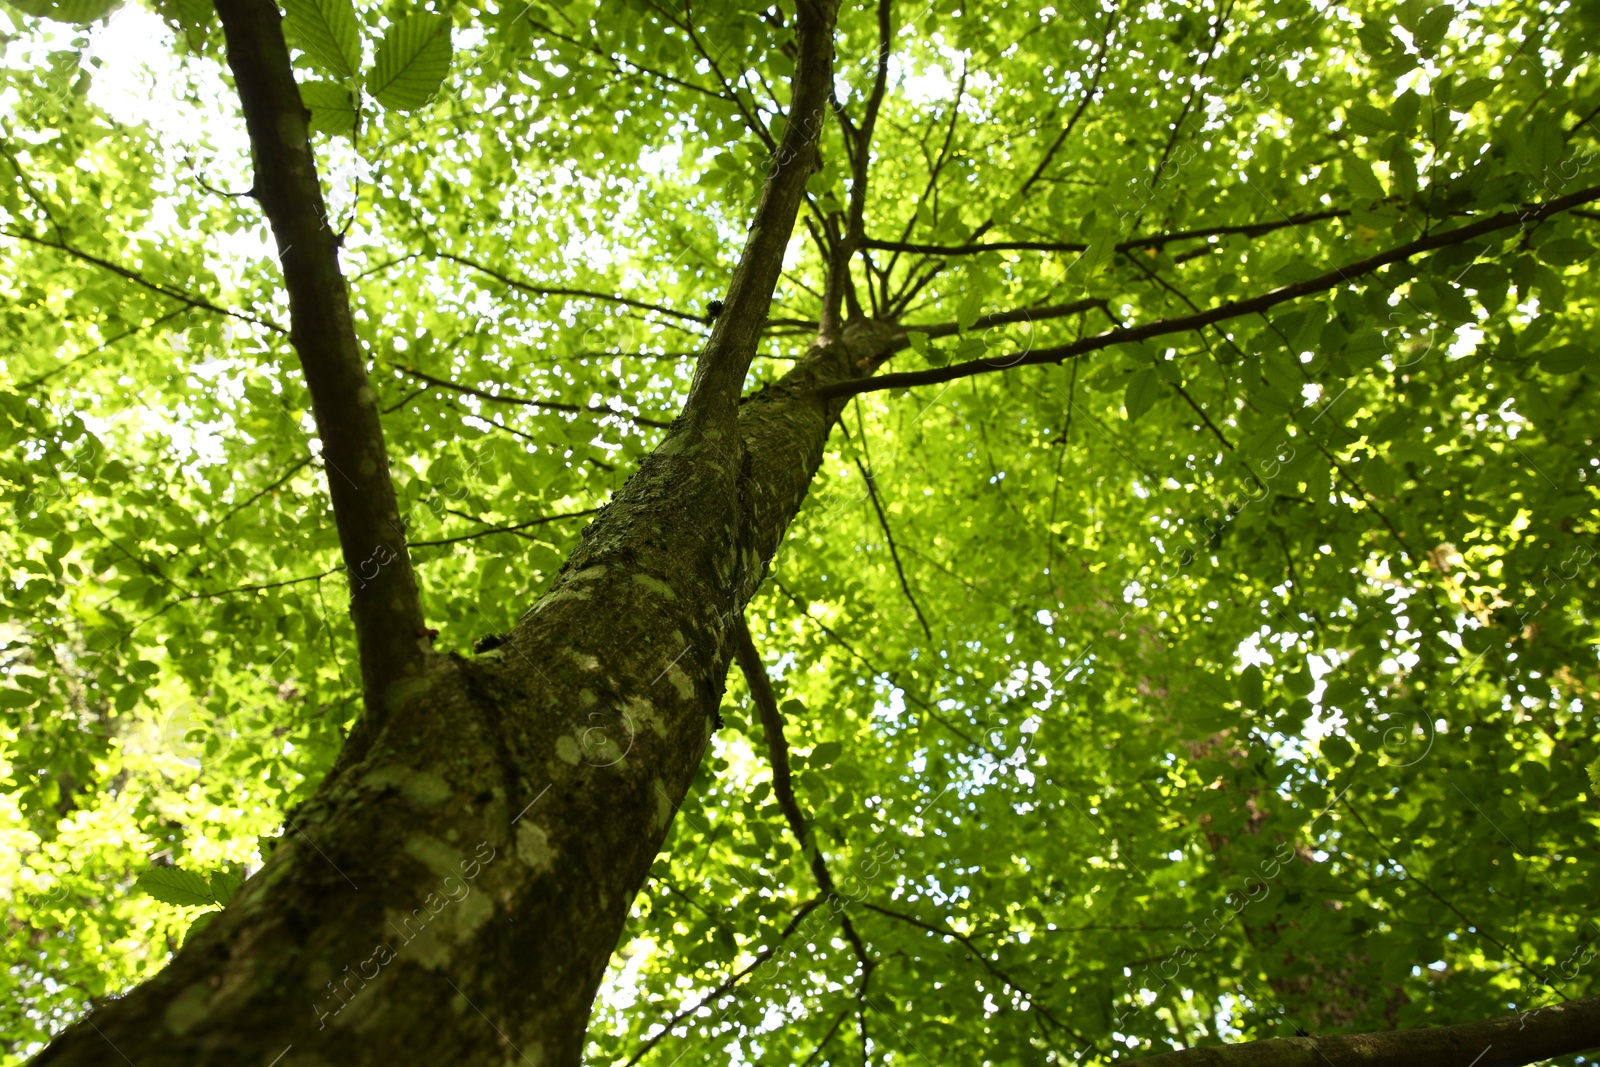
201,921
80,12
412,60
1565,251
333,107
1252,691
327,32
1565,360
1143,388
969,307
1363,183
224,884
1337,751
970,348
1368,121
1470,92
825,753
12,699
1098,254
1378,476
174,885
1430,29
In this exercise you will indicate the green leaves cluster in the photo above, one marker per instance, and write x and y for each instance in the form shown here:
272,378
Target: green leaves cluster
410,63
174,885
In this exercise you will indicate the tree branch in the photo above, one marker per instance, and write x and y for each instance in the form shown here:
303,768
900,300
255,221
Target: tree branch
720,372
894,553
1507,1041
503,529
616,59
931,190
1002,318
558,290
859,140
727,986
384,604
294,469
552,405
876,671
40,379
1233,309
979,954
162,288
752,122
1083,105
755,675
1251,229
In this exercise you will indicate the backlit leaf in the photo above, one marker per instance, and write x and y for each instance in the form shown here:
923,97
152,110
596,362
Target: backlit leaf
411,62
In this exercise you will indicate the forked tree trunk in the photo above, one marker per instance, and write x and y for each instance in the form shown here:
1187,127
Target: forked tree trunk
455,890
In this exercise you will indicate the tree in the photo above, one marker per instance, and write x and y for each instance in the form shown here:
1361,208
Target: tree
1138,459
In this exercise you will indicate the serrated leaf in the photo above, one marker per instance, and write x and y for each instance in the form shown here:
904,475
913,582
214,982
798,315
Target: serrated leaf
333,107
1143,388
201,921
969,348
1098,254
174,885
969,308
1337,750
1363,183
1368,121
1430,29
1565,251
224,884
79,12
195,16
412,60
1470,92
328,33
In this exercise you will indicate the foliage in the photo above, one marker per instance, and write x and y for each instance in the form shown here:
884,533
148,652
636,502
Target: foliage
174,885
1261,674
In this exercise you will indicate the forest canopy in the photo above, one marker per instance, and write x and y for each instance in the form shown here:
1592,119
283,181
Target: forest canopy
1186,636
